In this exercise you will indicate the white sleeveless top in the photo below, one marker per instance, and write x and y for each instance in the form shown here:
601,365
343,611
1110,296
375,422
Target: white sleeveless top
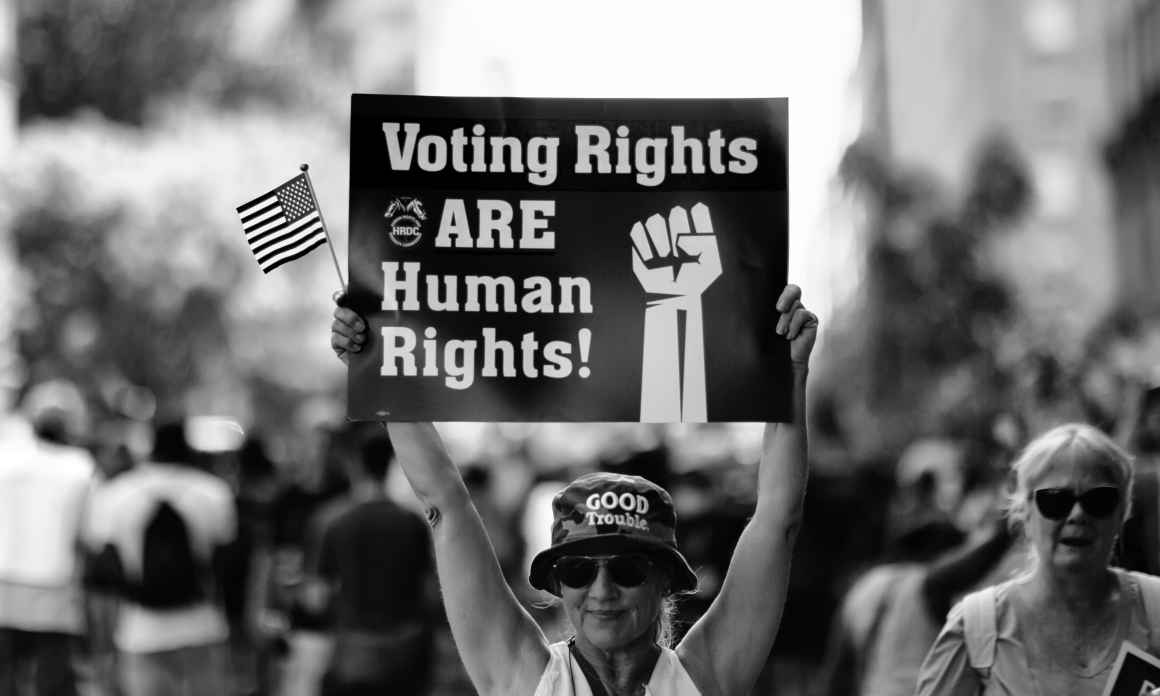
563,676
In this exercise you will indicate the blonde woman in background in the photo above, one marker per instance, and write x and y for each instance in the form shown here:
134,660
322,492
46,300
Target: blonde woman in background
1058,628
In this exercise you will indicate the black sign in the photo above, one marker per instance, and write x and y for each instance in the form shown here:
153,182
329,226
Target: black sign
568,259
1136,673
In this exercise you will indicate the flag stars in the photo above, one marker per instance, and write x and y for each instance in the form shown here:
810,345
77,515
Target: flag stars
295,199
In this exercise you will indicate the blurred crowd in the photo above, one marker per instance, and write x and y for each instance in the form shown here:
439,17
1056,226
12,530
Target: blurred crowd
183,555
190,556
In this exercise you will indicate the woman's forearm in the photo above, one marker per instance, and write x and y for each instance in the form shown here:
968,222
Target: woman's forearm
782,473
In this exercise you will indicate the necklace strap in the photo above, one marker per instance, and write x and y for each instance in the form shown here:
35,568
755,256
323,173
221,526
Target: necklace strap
586,668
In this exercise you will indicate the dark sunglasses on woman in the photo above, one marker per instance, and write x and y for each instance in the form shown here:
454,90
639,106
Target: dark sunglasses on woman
626,570
1056,503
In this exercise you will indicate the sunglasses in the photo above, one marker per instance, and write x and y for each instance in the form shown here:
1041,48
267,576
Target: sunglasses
1056,503
626,570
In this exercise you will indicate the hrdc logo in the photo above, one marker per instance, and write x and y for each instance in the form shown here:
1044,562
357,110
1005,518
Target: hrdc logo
405,216
625,510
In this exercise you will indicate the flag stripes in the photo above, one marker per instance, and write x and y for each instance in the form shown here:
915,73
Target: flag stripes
285,255
282,225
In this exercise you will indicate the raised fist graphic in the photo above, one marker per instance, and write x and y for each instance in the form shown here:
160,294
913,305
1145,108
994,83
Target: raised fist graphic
670,259
675,265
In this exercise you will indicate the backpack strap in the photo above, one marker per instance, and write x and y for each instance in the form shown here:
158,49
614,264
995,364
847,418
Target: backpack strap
979,628
866,644
1150,595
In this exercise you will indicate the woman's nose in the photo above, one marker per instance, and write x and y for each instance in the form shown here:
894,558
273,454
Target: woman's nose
602,585
1077,512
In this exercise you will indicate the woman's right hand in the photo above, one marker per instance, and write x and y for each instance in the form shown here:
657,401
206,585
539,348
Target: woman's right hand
347,332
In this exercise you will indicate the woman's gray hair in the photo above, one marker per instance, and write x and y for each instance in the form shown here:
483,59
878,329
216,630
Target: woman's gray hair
1069,442
664,629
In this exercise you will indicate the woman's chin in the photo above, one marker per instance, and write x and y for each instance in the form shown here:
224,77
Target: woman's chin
1079,558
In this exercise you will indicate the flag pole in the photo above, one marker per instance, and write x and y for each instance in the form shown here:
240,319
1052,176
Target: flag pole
329,241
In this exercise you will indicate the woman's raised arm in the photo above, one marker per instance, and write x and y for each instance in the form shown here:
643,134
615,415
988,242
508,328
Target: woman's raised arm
727,648
502,648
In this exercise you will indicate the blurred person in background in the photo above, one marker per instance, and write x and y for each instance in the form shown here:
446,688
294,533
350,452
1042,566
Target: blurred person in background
1057,628
501,527
880,633
372,575
1145,440
115,456
1140,539
614,579
159,529
706,531
245,567
314,480
928,489
45,483
892,613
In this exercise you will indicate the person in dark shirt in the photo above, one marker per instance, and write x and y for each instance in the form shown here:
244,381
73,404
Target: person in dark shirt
374,574
244,566
313,481
1139,544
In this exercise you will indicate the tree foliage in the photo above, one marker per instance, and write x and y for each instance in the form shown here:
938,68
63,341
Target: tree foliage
923,339
136,272
142,126
112,56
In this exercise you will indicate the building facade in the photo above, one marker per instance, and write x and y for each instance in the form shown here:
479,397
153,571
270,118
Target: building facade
1132,149
943,76
11,290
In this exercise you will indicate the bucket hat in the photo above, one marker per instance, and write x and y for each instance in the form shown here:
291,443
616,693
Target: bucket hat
613,513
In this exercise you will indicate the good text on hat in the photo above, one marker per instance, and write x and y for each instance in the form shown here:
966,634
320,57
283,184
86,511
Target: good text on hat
623,509
609,500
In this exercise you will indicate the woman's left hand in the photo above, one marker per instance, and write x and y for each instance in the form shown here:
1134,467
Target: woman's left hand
798,325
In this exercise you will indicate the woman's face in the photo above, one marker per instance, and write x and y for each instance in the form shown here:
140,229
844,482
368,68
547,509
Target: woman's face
610,616
1079,540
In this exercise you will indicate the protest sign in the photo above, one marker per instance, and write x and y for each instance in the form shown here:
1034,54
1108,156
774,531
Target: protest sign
1136,673
568,259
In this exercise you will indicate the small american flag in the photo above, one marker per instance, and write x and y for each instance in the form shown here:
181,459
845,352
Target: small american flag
283,225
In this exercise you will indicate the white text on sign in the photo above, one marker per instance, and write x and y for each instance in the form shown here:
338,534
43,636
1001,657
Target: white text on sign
494,225
649,159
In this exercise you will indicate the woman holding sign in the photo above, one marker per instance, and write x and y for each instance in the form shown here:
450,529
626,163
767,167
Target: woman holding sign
613,563
1059,628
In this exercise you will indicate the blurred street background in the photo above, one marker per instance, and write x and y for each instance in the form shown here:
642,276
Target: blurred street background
975,216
